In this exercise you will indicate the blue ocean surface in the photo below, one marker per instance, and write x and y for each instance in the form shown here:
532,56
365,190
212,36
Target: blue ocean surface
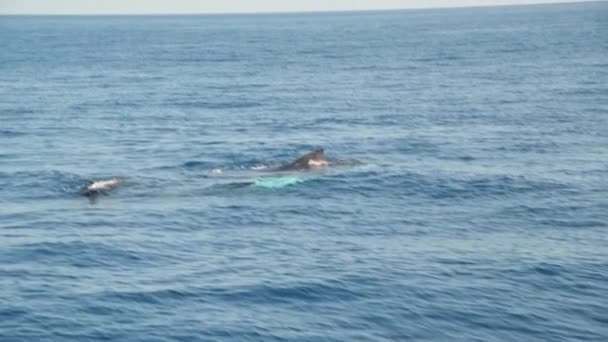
474,208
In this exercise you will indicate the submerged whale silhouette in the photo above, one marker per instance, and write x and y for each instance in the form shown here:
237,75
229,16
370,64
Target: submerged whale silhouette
101,186
312,160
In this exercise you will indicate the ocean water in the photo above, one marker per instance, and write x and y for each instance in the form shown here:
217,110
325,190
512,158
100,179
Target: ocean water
475,206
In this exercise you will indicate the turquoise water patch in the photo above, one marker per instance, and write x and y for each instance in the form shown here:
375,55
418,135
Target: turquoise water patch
276,182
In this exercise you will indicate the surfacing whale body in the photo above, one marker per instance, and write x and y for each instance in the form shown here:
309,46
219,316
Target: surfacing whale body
312,160
101,186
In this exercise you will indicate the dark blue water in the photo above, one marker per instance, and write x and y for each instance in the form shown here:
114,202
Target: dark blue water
476,210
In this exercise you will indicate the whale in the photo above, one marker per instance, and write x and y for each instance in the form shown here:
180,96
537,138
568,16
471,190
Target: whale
101,186
310,161
279,176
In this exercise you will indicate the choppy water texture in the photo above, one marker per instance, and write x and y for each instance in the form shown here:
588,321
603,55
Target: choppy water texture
477,210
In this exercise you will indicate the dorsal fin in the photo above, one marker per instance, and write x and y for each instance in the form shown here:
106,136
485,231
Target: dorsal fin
303,161
318,154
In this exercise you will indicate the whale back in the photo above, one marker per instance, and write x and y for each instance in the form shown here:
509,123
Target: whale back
96,187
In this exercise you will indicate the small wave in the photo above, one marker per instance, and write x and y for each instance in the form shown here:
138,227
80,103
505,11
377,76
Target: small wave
260,167
574,223
437,59
76,253
40,184
580,91
549,269
498,186
410,146
209,59
450,186
148,297
194,164
10,134
13,312
295,293
220,188
465,158
18,111
215,105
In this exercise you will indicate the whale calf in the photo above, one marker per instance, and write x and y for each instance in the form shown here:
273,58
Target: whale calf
312,160
100,186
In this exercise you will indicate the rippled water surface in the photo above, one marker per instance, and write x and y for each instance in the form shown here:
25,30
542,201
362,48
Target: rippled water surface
474,206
